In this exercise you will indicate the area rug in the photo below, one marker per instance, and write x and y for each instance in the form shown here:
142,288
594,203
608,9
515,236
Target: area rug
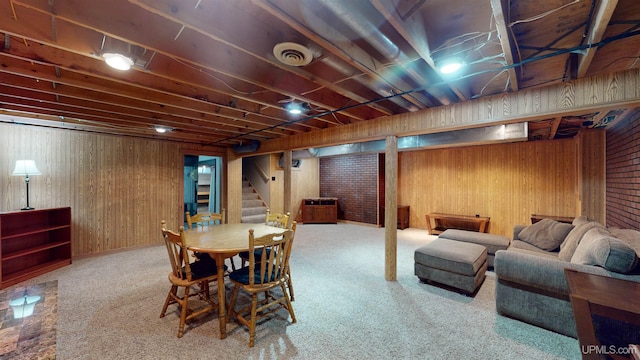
29,337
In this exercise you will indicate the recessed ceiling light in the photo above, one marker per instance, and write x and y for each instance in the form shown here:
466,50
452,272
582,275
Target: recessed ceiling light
295,108
118,61
451,66
162,129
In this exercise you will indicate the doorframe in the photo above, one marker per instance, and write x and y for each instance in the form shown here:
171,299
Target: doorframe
223,168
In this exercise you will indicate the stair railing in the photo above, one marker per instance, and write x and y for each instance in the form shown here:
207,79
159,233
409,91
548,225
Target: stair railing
263,174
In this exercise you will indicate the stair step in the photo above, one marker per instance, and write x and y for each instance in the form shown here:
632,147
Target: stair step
253,208
250,196
252,203
249,211
254,219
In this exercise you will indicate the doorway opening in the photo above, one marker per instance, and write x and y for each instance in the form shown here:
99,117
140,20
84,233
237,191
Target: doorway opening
202,183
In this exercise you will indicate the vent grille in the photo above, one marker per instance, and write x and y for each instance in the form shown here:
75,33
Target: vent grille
292,54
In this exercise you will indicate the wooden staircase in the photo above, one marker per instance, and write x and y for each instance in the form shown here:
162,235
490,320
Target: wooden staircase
254,209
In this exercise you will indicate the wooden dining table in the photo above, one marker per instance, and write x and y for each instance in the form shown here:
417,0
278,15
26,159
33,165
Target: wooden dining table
221,242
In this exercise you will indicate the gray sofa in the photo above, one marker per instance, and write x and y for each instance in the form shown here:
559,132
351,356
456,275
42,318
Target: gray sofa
530,281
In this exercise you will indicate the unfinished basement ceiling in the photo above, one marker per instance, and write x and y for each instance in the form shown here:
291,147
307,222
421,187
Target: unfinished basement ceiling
222,72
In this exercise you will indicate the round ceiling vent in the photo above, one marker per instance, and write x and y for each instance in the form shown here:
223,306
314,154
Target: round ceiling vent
292,54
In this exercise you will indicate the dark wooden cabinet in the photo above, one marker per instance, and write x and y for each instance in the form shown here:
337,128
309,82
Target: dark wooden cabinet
402,216
33,242
319,210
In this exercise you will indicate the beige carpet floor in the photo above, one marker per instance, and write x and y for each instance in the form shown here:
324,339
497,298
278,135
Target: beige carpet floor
109,306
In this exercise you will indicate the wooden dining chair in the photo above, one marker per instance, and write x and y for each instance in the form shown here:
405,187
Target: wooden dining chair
288,272
264,274
278,220
205,218
272,219
184,275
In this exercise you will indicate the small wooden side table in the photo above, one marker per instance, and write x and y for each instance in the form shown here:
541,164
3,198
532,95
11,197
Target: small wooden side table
604,296
442,222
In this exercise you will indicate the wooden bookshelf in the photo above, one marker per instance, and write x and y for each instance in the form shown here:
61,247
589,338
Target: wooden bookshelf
33,242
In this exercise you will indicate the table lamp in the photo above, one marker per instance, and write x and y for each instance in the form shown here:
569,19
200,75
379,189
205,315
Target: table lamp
26,168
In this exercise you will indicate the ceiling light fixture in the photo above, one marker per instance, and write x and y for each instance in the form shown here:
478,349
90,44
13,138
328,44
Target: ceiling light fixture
162,129
295,108
451,66
118,61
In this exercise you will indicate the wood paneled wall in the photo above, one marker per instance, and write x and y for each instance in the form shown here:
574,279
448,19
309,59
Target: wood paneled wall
592,177
119,188
304,183
507,182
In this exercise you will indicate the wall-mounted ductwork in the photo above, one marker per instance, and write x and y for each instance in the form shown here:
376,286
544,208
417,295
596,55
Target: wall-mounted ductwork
246,147
295,163
466,137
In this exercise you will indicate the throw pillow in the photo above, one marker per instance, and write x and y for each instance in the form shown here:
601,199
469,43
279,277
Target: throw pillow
580,220
570,243
601,249
546,234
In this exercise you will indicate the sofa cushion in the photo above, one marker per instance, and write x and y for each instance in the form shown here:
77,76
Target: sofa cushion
570,243
630,236
598,247
546,234
522,245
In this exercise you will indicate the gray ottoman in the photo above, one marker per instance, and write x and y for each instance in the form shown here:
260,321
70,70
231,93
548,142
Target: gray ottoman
492,242
458,264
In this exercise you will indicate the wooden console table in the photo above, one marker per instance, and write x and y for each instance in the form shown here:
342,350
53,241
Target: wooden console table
606,297
565,219
319,211
438,223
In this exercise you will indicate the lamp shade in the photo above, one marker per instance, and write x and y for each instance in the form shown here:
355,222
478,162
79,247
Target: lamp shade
26,167
23,307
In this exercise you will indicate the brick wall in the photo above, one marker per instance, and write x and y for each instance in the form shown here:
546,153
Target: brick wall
353,179
623,174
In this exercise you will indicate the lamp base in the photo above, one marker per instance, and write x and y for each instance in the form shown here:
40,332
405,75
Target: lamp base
28,208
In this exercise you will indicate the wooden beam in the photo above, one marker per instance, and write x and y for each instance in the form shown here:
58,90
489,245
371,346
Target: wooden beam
234,187
356,57
199,21
391,204
578,97
288,157
554,127
598,27
216,58
503,35
413,30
